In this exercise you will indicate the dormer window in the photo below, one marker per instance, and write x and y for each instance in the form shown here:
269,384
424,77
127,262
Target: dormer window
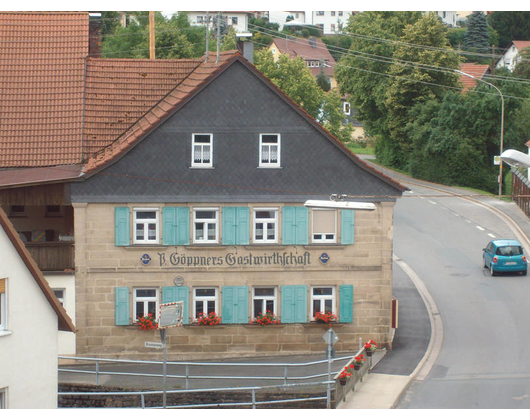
269,150
201,151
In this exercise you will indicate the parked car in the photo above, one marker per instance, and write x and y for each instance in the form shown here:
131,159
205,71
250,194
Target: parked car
504,255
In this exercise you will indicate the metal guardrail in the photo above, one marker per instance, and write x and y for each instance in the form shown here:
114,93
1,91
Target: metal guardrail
188,376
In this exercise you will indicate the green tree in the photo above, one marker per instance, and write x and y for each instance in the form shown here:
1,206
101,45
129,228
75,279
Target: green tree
293,77
419,82
331,116
510,26
362,73
323,80
337,44
477,35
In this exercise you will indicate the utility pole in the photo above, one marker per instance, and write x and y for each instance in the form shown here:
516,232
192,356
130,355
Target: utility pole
152,35
218,35
207,35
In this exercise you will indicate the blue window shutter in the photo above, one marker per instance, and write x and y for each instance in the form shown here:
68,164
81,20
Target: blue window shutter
346,303
294,304
176,226
177,294
121,305
347,227
288,226
295,225
235,305
243,226
121,226
169,226
236,226
183,226
229,225
302,226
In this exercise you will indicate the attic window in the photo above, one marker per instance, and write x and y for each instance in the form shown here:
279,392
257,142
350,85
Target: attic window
17,211
269,150
201,151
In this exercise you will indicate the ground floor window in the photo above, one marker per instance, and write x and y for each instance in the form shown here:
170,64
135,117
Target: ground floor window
3,399
264,299
145,302
205,301
322,300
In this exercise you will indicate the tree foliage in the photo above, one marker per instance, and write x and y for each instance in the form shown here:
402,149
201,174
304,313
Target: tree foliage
477,35
510,26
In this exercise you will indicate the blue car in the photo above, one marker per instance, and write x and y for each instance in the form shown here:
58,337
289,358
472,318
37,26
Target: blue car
504,255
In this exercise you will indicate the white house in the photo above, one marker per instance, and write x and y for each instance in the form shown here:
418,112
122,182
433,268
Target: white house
237,19
511,55
329,22
30,319
449,18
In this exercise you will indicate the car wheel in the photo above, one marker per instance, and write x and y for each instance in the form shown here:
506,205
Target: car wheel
523,273
492,271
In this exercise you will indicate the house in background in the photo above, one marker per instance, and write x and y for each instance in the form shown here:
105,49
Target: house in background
185,180
313,51
237,19
478,71
30,319
330,22
512,54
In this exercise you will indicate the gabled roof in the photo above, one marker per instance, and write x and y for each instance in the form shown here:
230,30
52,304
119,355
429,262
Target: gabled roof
187,89
64,321
521,45
476,70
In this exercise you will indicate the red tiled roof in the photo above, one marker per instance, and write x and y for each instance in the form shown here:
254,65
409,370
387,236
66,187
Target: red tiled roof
521,45
302,48
476,70
42,63
120,91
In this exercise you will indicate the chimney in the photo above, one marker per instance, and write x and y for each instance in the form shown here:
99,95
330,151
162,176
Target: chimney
94,34
246,46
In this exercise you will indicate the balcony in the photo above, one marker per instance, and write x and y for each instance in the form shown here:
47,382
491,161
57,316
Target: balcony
52,256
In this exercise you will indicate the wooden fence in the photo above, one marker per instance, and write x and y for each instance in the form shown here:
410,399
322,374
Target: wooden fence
521,191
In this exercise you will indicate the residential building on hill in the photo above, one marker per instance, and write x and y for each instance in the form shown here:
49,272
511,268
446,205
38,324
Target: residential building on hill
478,71
512,54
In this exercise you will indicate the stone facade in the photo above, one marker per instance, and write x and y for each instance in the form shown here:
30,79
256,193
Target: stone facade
102,266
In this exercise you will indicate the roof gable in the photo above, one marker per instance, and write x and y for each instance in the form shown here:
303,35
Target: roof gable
155,157
478,71
64,321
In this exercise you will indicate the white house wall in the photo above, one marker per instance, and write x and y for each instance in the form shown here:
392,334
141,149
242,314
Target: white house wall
66,282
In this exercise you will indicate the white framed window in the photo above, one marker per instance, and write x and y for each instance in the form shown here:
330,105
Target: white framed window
234,20
205,301
346,108
206,225
332,13
269,150
3,305
332,26
202,150
263,300
146,225
320,13
265,225
324,226
145,302
322,300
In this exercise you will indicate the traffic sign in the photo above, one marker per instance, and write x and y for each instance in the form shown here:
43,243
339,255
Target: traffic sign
154,345
330,337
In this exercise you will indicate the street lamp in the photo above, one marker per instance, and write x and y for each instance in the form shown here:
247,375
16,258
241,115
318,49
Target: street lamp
502,124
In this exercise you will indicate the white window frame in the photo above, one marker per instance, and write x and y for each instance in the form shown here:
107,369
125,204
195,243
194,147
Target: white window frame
205,222
3,308
323,239
321,299
146,300
204,300
346,107
265,221
146,223
3,398
264,143
201,164
264,299
62,292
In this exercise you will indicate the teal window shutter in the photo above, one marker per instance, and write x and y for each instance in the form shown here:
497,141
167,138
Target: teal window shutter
177,294
295,225
346,303
236,226
121,305
176,226
235,305
294,304
121,226
347,226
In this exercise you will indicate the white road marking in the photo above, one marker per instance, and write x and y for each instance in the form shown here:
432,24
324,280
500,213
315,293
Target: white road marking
433,202
491,235
479,227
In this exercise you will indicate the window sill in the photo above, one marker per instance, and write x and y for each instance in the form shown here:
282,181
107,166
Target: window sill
201,167
5,332
324,246
270,167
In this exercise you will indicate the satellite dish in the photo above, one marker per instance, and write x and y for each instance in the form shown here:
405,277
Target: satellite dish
516,158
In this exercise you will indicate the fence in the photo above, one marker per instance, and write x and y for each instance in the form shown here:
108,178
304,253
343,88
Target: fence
521,191
329,381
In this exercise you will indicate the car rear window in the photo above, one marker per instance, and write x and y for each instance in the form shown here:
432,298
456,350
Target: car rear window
507,251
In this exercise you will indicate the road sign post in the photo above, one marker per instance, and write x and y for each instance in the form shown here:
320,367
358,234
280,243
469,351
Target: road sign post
330,338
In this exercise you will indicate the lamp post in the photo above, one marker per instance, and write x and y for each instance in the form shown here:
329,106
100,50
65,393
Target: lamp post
502,124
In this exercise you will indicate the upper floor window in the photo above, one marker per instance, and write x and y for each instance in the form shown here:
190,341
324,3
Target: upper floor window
146,226
340,13
206,225
332,13
324,226
322,300
346,107
269,150
265,226
202,148
320,13
145,302
200,19
234,20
